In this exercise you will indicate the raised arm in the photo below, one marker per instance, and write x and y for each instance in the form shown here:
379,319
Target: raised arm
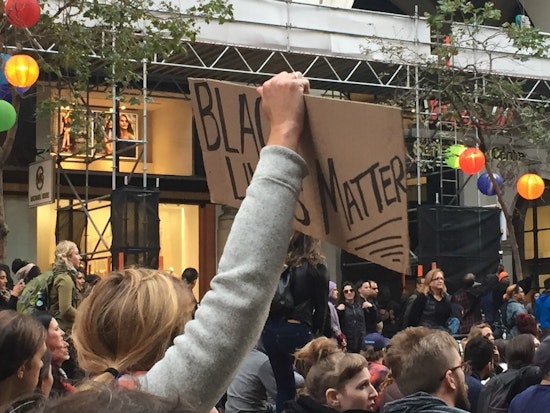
201,363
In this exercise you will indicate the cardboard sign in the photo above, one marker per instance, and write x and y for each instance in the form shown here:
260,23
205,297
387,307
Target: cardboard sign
355,195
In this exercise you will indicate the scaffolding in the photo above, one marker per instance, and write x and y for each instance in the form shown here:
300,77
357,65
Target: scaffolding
343,67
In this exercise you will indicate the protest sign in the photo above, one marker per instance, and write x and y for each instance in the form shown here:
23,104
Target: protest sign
355,195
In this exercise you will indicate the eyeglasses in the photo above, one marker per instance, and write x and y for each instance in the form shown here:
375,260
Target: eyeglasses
438,278
466,367
348,291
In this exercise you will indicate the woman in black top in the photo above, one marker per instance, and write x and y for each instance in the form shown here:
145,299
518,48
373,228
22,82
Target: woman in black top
433,309
352,317
288,329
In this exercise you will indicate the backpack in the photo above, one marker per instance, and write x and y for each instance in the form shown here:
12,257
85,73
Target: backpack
283,300
499,391
36,295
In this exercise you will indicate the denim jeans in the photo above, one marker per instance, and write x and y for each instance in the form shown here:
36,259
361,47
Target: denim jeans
453,324
281,339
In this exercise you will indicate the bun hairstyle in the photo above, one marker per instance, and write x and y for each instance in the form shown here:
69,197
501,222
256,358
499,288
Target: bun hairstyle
62,252
325,366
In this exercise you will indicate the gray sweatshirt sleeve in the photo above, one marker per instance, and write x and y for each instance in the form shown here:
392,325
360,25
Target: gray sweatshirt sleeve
201,363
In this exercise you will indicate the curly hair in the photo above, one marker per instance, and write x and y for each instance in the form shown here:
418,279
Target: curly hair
302,248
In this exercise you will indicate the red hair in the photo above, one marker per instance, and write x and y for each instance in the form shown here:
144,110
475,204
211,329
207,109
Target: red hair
526,324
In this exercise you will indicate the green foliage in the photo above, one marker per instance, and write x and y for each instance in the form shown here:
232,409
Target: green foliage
107,41
473,97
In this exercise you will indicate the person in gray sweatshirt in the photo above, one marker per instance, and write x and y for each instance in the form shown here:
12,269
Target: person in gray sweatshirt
199,364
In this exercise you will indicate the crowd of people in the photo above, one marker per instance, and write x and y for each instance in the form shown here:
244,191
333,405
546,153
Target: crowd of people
138,339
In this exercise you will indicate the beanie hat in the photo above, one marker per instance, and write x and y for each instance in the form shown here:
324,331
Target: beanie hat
17,264
23,271
502,275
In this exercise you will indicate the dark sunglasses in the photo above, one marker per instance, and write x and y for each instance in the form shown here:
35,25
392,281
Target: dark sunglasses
348,291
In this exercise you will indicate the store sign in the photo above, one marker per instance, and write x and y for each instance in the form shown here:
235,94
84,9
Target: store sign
355,195
41,182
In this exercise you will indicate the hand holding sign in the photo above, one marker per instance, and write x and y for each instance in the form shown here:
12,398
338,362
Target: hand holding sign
283,104
355,195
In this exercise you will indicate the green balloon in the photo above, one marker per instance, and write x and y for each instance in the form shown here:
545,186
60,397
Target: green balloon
452,154
7,116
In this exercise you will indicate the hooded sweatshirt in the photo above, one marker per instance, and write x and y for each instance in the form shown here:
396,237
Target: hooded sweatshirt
542,309
420,402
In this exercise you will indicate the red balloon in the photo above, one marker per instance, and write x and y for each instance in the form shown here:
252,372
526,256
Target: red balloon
472,160
530,186
22,13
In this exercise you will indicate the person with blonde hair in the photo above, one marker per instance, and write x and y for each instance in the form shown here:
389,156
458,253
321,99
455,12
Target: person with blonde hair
130,317
335,381
137,326
64,296
433,309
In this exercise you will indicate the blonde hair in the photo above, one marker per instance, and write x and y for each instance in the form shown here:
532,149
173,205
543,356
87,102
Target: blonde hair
62,251
129,320
430,275
326,366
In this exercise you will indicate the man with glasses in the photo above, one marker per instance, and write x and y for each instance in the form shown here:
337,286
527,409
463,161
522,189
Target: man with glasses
429,371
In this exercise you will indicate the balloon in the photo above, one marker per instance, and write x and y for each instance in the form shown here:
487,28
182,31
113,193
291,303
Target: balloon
22,90
3,59
7,116
530,186
5,92
485,185
21,70
471,161
22,13
452,154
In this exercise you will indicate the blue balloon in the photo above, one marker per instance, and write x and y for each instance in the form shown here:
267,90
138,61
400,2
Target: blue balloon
5,92
485,185
22,90
4,58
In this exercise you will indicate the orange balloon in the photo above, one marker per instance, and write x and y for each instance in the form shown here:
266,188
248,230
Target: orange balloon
530,186
471,161
21,70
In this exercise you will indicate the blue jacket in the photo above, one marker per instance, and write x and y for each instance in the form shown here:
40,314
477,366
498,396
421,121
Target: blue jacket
542,309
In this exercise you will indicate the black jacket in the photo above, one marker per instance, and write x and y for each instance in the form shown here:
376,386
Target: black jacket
11,304
309,286
305,404
427,311
352,323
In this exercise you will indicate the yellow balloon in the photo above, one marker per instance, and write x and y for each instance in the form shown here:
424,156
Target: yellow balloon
21,70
